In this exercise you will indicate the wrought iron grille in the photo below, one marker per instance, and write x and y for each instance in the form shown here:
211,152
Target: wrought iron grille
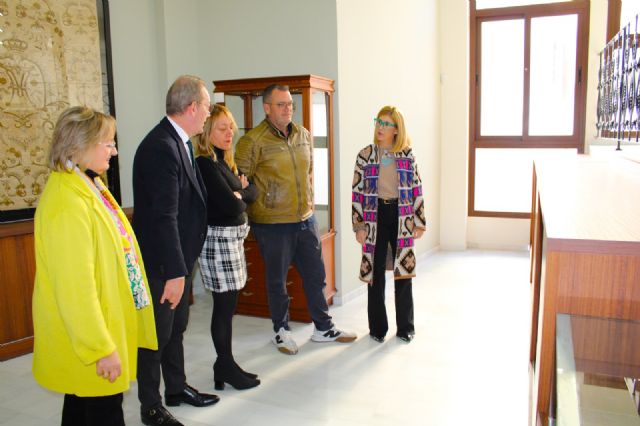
618,107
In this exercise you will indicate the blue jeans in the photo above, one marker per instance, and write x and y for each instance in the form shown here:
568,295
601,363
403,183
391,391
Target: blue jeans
280,245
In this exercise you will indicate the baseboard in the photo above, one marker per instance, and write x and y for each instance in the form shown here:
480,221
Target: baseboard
362,289
353,294
498,247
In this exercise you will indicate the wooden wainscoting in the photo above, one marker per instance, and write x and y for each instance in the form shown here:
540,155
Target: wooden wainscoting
17,271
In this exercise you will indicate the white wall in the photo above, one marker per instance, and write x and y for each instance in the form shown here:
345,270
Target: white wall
387,54
498,234
250,38
182,39
597,40
454,119
139,77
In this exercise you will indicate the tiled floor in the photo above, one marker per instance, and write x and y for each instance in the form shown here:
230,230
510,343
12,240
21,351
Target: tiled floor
467,365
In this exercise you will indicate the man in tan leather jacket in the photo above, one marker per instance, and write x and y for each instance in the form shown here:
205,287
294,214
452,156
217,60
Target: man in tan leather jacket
276,157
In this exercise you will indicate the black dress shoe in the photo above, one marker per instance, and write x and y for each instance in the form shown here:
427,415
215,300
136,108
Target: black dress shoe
378,339
159,416
406,337
191,396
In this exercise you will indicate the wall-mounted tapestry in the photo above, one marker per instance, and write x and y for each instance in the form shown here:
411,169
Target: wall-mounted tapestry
53,54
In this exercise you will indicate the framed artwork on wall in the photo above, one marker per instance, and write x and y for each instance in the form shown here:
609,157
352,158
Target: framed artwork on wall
52,55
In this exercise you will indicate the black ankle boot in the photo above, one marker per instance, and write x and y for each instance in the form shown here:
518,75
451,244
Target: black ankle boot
228,372
249,375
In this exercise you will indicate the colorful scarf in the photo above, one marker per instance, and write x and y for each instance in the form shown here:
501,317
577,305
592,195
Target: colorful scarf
131,258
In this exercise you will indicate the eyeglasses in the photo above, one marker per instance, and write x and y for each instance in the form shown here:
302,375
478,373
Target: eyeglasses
110,146
283,105
383,124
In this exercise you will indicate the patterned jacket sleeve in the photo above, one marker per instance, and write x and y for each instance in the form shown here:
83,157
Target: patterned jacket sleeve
418,201
357,195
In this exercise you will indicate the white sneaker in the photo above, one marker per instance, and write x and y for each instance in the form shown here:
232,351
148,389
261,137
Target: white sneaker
332,335
285,343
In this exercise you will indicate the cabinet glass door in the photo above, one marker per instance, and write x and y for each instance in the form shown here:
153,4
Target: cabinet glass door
321,178
236,106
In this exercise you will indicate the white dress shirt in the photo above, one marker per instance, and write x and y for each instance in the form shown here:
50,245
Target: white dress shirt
183,136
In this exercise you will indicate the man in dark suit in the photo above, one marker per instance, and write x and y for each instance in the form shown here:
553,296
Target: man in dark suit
170,222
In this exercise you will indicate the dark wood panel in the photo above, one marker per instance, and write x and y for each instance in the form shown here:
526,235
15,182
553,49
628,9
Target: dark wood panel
607,347
17,265
600,285
18,228
255,86
16,348
328,254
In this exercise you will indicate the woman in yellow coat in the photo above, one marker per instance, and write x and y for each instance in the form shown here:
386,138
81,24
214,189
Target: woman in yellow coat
92,308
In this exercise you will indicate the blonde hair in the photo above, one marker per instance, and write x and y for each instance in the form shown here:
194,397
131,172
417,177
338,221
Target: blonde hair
204,147
402,139
78,128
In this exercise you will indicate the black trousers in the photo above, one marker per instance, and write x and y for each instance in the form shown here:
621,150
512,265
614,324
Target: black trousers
92,411
170,327
224,306
387,234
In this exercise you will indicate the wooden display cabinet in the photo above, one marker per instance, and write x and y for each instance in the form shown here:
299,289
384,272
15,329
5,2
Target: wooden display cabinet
585,261
313,99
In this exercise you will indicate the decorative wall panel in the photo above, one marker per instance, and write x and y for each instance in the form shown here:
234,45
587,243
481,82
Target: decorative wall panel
49,59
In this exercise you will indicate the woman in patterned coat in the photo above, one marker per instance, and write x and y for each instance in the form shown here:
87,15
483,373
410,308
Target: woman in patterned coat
387,215
222,261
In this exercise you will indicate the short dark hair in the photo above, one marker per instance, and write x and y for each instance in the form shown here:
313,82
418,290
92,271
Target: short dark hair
266,95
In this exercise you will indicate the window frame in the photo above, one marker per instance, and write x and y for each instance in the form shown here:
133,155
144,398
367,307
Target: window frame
614,10
576,140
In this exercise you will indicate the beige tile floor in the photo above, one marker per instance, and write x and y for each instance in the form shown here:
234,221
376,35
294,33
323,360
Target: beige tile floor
467,365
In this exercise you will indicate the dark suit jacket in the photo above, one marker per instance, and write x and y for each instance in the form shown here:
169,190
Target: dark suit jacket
169,214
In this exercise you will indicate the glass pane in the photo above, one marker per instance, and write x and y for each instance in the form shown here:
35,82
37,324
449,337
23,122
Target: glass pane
596,370
503,177
488,4
297,112
257,110
320,160
628,12
502,64
236,106
553,72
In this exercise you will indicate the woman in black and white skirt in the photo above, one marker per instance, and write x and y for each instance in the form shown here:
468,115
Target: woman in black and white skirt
222,261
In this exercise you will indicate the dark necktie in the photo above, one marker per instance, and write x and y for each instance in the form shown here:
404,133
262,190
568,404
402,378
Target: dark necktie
190,145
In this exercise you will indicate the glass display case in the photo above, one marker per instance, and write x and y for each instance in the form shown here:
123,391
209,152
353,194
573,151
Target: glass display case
313,108
597,371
